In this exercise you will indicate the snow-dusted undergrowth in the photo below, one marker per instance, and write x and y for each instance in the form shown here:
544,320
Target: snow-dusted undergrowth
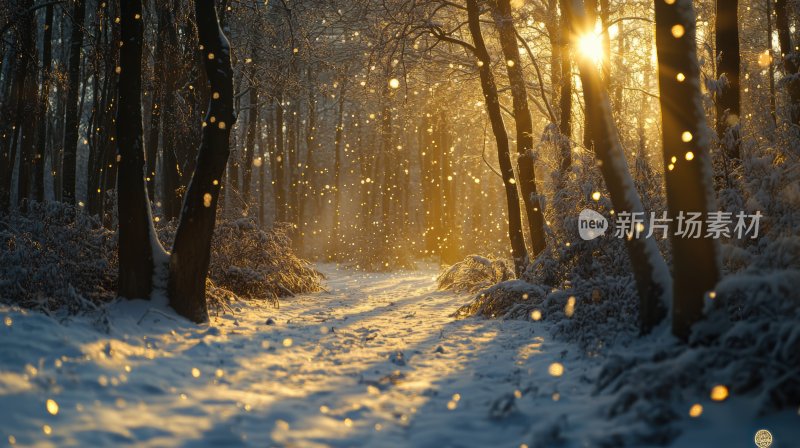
474,273
57,257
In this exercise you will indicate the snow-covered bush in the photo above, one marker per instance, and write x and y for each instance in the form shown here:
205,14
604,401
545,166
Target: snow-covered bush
474,273
58,257
253,263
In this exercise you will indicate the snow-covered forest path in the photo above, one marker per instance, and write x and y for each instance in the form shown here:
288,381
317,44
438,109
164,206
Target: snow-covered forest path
375,360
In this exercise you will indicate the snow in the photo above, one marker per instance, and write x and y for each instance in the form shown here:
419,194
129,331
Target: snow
375,360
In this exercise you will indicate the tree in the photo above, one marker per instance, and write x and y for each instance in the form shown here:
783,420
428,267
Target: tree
188,265
72,117
137,238
518,251
650,271
728,96
522,117
44,101
791,66
686,158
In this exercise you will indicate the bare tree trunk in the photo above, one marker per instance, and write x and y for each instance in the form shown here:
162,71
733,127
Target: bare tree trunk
191,252
565,97
771,70
279,174
310,187
650,271
337,174
250,142
267,154
25,134
72,118
688,181
160,64
44,101
518,251
135,225
448,246
728,107
791,66
522,116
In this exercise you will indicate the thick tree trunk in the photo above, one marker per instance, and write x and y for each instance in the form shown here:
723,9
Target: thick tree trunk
518,251
650,271
686,156
73,112
522,117
135,225
188,266
728,97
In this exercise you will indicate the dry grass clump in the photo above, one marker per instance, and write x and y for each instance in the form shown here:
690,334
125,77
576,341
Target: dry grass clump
56,256
474,274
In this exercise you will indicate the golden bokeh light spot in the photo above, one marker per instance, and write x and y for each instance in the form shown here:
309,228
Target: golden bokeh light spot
556,369
696,410
52,407
678,31
719,393
686,136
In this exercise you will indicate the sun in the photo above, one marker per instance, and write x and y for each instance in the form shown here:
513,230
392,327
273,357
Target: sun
591,47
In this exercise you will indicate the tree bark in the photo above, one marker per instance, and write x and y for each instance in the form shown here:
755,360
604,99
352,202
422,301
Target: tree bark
650,271
522,116
279,174
688,182
25,134
515,235
72,118
337,174
44,101
250,142
135,224
728,96
565,97
791,58
191,253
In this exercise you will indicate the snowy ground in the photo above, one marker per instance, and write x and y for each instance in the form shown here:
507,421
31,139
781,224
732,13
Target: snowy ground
373,361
